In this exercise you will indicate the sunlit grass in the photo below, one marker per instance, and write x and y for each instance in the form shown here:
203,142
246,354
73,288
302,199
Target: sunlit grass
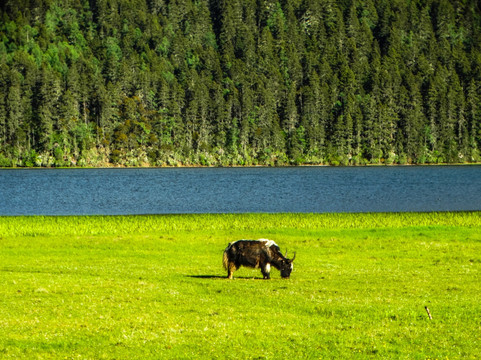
112,225
140,287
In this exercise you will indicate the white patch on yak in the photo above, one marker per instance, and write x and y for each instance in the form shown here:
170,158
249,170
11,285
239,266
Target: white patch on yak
268,243
268,268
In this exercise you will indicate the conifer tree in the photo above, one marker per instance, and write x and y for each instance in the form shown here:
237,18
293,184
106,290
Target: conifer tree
241,82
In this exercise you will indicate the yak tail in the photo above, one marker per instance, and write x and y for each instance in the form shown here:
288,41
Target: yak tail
225,260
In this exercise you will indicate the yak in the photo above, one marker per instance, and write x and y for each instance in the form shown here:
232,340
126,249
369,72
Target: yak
260,253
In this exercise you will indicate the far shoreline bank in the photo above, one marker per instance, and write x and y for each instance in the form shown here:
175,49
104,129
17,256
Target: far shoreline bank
180,166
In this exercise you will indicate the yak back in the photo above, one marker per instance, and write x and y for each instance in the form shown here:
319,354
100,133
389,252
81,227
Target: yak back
253,253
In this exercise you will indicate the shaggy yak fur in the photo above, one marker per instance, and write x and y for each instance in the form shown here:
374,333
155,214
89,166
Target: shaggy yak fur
260,253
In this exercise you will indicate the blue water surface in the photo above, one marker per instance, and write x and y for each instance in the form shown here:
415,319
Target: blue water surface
239,190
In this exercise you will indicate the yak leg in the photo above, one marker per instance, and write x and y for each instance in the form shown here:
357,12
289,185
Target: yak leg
230,270
266,271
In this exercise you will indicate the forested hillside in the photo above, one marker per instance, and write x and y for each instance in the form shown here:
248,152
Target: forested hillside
239,82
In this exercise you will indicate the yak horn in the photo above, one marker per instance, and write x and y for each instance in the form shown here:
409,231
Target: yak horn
293,257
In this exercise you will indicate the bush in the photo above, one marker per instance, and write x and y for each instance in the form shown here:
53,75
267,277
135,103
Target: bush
115,156
31,159
58,153
403,159
4,161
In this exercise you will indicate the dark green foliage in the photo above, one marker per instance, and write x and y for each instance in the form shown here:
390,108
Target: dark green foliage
231,82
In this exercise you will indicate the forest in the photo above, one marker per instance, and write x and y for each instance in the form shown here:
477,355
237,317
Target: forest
239,82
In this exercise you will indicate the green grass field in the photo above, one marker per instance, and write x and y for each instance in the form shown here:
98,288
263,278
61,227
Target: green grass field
153,287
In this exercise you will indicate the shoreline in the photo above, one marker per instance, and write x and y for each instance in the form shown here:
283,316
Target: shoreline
233,166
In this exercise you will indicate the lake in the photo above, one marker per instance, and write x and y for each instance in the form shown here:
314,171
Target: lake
239,190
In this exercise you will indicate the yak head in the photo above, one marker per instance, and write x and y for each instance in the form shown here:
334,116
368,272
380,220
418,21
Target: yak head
286,266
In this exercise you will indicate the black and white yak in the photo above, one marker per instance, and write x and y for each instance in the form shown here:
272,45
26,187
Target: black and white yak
260,253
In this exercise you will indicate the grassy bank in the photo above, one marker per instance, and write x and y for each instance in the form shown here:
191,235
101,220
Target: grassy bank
153,287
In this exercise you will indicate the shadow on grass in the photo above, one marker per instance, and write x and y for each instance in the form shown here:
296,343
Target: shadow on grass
223,277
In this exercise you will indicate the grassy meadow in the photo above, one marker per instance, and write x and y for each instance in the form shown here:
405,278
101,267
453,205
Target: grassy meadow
153,287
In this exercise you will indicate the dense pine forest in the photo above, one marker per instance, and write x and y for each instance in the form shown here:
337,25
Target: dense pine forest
239,82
